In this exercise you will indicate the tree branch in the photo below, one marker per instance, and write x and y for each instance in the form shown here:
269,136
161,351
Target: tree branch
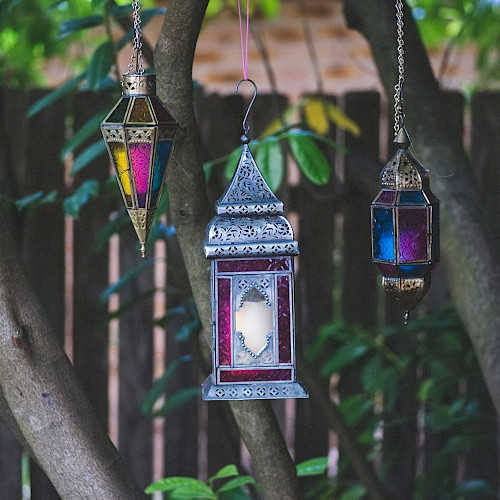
46,402
190,215
470,256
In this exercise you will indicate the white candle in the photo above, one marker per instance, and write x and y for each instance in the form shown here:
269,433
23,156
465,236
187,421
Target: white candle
254,320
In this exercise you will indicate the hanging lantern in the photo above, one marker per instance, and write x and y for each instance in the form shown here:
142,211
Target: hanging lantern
405,228
139,134
251,248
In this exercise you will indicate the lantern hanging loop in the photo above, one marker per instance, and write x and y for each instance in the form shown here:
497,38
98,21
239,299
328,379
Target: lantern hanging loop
136,58
246,127
398,88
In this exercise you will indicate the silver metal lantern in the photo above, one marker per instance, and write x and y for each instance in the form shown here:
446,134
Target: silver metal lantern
251,247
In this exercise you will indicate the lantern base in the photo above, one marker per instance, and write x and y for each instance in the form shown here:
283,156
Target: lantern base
210,391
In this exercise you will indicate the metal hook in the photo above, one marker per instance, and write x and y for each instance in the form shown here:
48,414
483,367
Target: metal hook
246,126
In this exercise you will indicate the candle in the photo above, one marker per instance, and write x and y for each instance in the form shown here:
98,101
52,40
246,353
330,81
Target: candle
254,320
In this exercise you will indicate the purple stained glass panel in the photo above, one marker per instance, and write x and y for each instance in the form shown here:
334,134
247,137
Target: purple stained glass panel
386,196
253,265
412,225
255,375
224,320
284,342
388,270
435,233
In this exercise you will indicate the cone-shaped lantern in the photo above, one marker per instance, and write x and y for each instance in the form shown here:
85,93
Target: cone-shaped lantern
139,134
405,227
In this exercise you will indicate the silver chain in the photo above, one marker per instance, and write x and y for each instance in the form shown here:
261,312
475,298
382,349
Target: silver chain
398,88
136,59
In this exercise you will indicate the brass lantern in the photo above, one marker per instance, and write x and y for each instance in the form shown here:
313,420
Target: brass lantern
405,227
139,134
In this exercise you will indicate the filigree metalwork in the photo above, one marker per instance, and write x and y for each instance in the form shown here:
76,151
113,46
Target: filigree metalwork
262,390
248,192
404,172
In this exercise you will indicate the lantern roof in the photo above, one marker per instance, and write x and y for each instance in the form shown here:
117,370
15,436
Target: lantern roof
249,220
139,105
404,172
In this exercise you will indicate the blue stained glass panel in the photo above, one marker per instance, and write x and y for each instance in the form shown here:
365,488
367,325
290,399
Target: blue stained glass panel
162,154
414,271
411,197
383,234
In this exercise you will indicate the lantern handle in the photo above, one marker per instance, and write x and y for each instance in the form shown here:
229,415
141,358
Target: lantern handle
246,126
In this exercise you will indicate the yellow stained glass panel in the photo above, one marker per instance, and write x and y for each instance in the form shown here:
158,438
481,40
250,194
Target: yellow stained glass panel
121,166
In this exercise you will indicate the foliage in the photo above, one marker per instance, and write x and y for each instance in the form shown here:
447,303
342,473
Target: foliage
460,22
234,487
439,351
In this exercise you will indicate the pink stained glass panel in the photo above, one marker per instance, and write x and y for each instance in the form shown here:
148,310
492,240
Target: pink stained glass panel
255,375
140,154
224,321
253,265
284,319
412,228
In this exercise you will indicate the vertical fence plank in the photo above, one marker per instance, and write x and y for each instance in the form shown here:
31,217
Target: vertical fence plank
316,207
181,438
220,121
136,366
10,451
90,269
359,291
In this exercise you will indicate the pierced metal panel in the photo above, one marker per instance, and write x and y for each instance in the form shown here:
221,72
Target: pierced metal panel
248,192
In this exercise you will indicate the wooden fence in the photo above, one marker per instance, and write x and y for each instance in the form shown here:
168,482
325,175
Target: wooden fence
69,273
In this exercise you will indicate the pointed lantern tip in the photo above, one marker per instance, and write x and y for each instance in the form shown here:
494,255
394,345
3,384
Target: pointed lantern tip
402,139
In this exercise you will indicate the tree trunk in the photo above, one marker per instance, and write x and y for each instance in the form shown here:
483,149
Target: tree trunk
470,256
190,216
46,404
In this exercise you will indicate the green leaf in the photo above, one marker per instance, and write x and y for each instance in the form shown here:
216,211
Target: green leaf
346,354
131,304
355,492
100,64
67,28
194,489
270,8
56,94
354,407
236,483
177,400
160,385
170,483
227,471
309,158
269,158
126,279
232,163
87,156
83,133
87,190
120,220
312,467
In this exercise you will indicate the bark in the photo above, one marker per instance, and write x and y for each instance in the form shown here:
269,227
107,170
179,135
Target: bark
470,253
190,215
45,401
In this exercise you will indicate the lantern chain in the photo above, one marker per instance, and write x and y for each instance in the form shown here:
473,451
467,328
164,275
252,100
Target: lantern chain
398,88
136,58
